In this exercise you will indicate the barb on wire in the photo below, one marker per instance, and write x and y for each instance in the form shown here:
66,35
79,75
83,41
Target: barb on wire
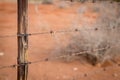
15,65
9,66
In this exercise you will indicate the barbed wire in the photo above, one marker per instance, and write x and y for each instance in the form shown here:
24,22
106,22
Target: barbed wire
75,53
51,32
62,56
58,57
84,74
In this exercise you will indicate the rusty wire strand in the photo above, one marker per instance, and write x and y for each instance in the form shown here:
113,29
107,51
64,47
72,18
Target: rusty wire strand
58,57
38,33
47,32
74,54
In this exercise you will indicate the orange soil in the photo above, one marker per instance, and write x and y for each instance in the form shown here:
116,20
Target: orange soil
46,18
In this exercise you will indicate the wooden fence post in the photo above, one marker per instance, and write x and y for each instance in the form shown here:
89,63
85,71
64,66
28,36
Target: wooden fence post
22,69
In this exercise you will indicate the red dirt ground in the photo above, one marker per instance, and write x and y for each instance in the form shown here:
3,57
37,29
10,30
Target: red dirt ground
46,18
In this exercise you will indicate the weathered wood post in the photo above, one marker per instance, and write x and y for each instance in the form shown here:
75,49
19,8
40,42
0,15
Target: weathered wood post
22,39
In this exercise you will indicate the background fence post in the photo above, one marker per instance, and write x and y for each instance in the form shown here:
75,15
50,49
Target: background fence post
22,39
